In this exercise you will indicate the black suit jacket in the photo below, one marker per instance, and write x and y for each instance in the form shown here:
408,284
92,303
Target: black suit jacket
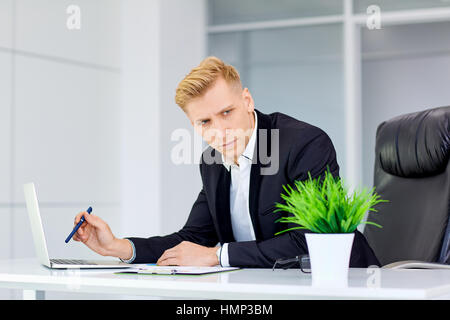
302,148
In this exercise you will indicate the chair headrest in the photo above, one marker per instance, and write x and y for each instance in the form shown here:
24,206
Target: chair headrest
415,144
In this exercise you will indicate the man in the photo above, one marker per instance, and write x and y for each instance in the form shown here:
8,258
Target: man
240,186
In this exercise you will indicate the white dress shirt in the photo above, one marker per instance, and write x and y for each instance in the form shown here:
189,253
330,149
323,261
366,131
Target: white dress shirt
241,222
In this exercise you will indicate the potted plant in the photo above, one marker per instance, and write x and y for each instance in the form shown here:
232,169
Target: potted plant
325,207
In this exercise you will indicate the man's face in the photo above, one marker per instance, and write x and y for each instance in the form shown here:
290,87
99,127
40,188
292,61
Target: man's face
223,116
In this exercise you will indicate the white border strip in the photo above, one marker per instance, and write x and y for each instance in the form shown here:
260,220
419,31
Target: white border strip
272,24
387,18
408,16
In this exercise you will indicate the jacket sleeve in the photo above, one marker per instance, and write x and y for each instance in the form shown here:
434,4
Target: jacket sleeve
199,229
313,156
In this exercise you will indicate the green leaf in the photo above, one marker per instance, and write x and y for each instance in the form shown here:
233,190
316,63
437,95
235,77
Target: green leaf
324,205
290,229
372,223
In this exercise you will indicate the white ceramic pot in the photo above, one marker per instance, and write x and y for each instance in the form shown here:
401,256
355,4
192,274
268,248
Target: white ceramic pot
329,255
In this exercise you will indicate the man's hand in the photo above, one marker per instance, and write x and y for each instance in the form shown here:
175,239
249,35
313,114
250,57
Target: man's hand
189,254
96,234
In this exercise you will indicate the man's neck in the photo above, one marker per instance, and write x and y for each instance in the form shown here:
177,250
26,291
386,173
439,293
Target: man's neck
247,140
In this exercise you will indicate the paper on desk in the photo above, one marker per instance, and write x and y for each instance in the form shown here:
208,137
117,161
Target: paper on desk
174,270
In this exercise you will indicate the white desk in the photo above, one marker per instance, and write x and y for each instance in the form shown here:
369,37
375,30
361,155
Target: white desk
34,280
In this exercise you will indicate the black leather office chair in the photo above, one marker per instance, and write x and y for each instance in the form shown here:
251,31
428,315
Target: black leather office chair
412,171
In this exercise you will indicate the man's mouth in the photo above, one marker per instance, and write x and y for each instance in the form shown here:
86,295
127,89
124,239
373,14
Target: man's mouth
226,145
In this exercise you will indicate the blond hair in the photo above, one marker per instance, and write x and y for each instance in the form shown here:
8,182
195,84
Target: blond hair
202,77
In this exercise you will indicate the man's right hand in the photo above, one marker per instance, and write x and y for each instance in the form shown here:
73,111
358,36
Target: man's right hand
97,236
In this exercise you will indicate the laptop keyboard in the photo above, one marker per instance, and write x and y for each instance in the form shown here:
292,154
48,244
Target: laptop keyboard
71,261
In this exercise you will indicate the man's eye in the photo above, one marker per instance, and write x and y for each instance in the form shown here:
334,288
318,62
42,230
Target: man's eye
204,122
226,112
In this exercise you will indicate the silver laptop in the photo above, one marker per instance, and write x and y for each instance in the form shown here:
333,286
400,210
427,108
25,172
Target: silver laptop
41,245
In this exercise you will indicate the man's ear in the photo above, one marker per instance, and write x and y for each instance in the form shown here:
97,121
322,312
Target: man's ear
248,100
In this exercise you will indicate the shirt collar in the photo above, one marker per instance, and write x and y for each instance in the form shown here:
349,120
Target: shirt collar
249,149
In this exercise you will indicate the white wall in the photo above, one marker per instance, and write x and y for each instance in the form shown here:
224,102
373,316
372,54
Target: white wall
152,67
181,50
59,118
6,77
81,112
141,87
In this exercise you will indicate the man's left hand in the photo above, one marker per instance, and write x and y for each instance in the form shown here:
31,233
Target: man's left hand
189,254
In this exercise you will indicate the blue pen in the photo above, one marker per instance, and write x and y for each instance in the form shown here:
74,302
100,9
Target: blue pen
89,210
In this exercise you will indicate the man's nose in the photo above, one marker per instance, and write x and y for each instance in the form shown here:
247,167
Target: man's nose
221,129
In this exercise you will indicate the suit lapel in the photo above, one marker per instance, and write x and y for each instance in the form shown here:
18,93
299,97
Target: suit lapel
255,173
222,203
